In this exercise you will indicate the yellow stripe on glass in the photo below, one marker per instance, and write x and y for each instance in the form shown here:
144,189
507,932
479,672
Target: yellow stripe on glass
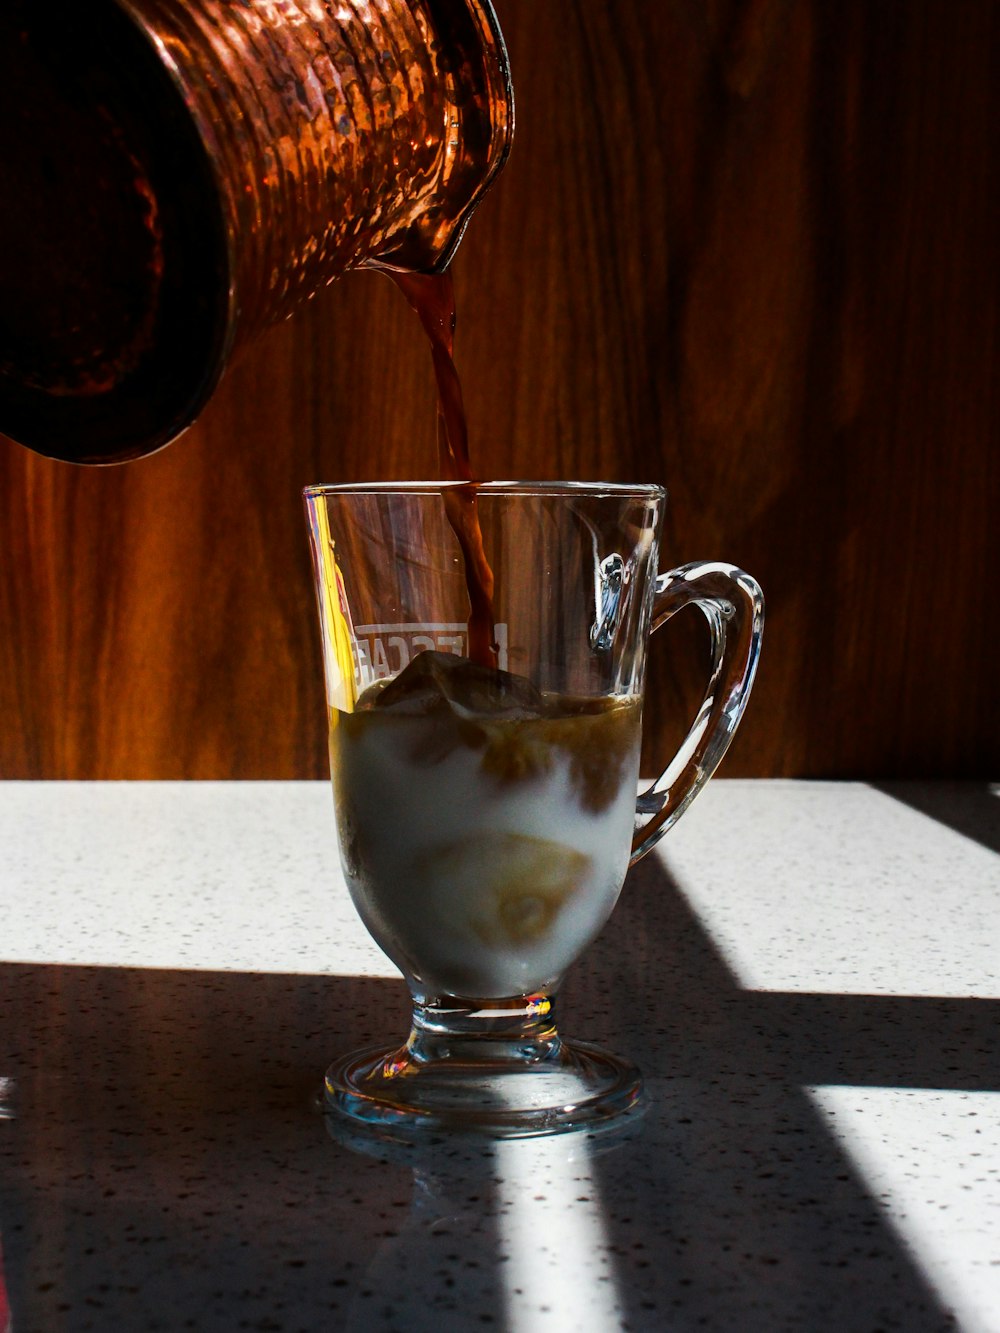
335,618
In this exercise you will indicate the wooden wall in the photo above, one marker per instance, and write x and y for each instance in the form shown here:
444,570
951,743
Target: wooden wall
747,248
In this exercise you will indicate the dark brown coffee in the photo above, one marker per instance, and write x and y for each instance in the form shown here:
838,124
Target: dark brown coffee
432,296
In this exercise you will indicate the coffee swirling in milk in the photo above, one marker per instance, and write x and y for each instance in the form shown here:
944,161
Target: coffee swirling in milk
484,826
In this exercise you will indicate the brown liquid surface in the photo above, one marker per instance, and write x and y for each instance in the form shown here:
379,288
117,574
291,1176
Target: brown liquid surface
450,703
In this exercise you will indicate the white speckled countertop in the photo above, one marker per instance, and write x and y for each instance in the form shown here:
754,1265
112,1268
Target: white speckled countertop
809,976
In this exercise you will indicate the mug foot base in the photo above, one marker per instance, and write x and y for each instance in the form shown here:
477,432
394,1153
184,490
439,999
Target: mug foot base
576,1086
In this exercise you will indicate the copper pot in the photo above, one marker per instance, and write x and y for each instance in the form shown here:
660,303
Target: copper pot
177,175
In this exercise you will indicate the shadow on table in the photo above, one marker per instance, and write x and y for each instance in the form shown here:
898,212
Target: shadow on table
165,1166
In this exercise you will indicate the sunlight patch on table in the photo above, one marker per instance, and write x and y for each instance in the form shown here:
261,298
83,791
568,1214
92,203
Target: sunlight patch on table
838,889
214,876
930,1159
557,1266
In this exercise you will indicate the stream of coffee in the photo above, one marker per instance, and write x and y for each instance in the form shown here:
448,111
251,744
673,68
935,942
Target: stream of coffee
432,296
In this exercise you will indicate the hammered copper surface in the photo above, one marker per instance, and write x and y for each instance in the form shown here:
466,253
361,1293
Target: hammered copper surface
181,174
340,135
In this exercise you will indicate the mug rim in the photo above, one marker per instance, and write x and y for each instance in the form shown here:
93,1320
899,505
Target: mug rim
635,490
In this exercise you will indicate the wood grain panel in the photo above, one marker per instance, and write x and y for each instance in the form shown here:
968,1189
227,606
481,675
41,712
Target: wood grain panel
743,247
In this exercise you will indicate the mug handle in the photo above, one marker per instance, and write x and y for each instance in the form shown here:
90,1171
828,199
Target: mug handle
733,605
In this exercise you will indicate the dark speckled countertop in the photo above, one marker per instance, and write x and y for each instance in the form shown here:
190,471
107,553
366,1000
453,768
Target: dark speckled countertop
808,975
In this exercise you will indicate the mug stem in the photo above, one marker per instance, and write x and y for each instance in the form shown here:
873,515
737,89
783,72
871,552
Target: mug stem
521,1029
497,1067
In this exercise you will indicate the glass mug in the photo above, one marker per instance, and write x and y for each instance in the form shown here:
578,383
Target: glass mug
487,815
